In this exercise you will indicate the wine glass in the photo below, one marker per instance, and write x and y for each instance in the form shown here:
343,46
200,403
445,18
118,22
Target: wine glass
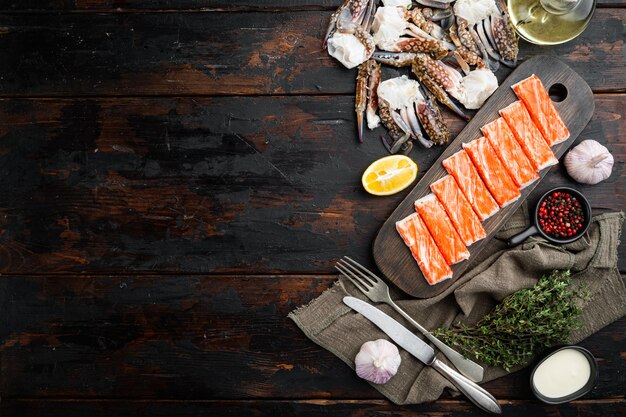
550,22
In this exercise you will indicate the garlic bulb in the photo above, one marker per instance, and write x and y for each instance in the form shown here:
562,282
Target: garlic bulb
589,162
377,361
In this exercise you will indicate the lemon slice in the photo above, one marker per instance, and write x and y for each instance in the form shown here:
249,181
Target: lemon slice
389,175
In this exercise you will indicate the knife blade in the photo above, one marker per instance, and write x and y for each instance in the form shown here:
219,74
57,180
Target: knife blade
419,349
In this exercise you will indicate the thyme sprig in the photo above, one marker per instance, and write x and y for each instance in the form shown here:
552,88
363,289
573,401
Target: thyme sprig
522,325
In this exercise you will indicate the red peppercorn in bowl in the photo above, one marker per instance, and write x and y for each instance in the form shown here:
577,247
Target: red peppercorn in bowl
562,215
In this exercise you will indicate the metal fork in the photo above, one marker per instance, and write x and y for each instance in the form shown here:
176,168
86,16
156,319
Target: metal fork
377,291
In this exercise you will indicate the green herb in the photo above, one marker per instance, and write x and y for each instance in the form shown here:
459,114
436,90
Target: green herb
522,325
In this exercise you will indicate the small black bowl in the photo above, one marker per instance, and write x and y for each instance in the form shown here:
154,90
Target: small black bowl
593,377
536,229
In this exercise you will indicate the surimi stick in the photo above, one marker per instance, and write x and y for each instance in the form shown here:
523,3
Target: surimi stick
465,221
461,168
491,170
546,117
528,136
510,152
423,248
440,227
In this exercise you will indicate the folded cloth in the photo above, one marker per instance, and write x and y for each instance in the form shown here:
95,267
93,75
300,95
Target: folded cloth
495,273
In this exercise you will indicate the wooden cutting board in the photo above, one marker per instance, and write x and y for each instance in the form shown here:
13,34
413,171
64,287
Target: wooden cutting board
393,257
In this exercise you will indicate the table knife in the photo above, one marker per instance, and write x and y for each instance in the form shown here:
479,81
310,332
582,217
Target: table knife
418,348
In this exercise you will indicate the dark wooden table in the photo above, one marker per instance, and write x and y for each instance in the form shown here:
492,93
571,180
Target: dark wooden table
178,176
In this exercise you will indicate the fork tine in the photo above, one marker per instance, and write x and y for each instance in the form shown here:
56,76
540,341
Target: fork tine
357,283
367,280
362,268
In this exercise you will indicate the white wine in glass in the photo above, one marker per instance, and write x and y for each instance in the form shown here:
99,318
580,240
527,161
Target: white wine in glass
550,22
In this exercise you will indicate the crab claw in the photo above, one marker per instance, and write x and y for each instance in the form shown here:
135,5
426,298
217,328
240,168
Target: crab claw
396,59
406,148
434,3
360,97
397,145
385,143
332,25
428,71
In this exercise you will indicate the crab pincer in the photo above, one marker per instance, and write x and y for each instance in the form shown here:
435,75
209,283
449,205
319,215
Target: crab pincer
366,98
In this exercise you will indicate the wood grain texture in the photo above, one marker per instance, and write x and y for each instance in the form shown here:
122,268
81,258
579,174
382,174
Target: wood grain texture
164,175
394,258
305,408
191,337
54,55
231,184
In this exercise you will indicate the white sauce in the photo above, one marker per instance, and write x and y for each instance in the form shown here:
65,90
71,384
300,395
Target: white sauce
563,373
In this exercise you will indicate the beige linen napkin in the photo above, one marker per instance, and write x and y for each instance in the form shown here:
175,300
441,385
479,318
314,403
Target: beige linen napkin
495,273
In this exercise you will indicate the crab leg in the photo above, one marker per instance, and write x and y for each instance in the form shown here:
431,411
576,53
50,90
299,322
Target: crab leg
435,48
395,59
493,65
461,29
369,16
332,25
360,97
354,17
429,72
425,18
399,136
444,4
504,35
431,119
366,97
415,124
372,94
505,39
480,31
436,15
414,30
461,63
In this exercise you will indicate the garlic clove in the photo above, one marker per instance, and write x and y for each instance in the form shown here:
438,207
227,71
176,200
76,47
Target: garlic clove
377,361
589,162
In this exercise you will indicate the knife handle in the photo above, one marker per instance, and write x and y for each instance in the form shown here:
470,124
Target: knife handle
466,367
478,395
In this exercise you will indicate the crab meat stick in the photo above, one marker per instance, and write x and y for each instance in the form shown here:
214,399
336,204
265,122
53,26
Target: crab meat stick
465,221
536,99
491,170
510,152
423,248
461,168
440,227
528,136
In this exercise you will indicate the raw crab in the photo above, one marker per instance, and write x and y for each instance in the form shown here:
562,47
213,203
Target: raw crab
397,29
405,109
484,26
367,81
451,50
348,37
443,80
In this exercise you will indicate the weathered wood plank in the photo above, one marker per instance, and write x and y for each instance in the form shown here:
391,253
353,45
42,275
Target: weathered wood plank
252,185
306,408
181,337
223,54
200,5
